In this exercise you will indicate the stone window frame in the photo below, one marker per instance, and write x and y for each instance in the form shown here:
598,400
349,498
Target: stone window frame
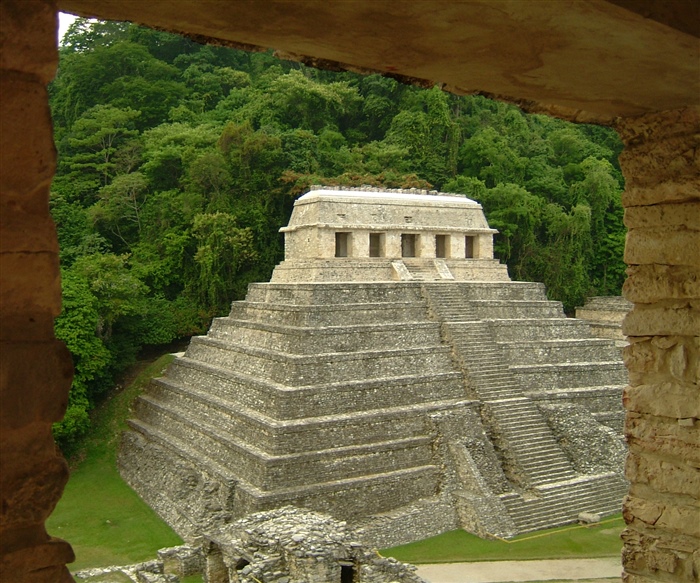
380,247
446,246
470,246
415,238
343,244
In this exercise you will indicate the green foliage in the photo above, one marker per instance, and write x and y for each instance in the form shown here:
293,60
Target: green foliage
106,522
599,540
222,249
77,326
178,164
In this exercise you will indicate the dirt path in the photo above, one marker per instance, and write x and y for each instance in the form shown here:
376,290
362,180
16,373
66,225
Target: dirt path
579,570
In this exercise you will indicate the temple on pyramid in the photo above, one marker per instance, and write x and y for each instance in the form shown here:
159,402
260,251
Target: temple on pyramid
391,375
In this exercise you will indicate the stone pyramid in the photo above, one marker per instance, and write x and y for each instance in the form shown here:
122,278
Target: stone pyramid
390,375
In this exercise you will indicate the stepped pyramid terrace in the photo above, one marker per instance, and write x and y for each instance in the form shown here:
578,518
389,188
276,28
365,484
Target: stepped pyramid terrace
390,375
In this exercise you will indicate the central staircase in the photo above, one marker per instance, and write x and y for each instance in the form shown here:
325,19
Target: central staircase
547,488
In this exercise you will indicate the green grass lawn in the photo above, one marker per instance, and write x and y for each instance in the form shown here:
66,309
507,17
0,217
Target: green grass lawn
102,518
108,524
601,540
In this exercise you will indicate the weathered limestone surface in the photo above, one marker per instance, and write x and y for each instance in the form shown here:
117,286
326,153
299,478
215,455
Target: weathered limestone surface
592,62
284,545
290,544
374,224
406,407
662,168
604,315
35,369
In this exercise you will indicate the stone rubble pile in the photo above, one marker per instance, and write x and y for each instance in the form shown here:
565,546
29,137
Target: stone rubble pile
146,572
286,545
291,544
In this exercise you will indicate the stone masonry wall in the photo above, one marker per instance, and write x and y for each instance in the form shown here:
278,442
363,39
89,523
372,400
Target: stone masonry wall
662,212
35,368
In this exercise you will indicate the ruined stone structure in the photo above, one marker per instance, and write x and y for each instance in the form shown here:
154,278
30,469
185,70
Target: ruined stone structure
373,235
605,315
288,544
285,545
632,64
410,388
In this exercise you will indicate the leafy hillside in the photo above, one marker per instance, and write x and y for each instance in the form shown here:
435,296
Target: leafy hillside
179,162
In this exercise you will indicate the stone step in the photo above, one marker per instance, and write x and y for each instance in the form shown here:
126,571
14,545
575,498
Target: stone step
550,474
422,271
484,365
349,498
549,463
537,442
551,477
283,403
570,375
566,513
534,466
535,447
315,340
304,370
559,350
532,512
489,290
515,408
494,396
563,502
482,344
343,314
498,309
490,376
493,381
312,295
376,493
506,389
525,329
537,435
483,358
490,395
299,435
547,460
269,472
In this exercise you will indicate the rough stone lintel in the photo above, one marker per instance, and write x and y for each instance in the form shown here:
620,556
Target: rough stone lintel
663,245
653,127
36,370
47,562
653,514
647,284
665,400
665,215
34,474
670,192
653,556
663,319
27,151
33,54
661,156
664,437
666,476
44,394
31,283
652,360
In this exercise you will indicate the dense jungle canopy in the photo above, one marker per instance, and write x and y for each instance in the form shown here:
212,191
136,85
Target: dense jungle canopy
179,162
